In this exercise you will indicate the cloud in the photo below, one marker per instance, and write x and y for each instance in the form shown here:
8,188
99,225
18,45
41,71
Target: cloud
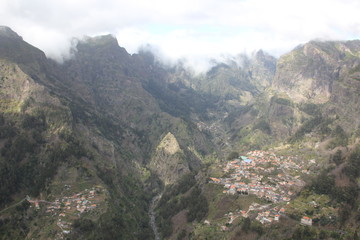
195,30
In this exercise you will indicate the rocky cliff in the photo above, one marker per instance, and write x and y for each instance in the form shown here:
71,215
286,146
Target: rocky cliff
314,90
308,72
122,126
169,160
89,123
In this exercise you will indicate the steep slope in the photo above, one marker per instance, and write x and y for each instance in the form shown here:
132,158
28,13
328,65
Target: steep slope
309,72
309,112
314,92
85,145
83,128
323,73
169,160
236,80
47,154
129,89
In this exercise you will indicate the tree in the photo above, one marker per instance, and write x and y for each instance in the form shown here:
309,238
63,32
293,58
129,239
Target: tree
324,183
246,225
356,237
232,155
337,157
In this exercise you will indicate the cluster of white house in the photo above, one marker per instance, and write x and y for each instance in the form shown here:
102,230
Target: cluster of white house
267,176
81,201
248,176
73,205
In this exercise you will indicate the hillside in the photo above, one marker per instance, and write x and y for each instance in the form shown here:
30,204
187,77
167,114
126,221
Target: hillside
94,147
307,115
86,124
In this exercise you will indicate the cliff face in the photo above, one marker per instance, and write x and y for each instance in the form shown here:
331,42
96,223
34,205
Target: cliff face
314,90
89,123
308,72
234,81
323,73
169,160
122,123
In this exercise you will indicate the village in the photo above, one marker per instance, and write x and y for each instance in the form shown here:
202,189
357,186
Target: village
68,208
269,177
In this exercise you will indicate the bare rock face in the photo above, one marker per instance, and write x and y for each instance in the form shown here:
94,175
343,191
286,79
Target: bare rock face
262,69
169,160
308,72
96,118
323,73
169,144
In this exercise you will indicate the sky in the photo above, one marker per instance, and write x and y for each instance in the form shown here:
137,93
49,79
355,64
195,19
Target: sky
195,30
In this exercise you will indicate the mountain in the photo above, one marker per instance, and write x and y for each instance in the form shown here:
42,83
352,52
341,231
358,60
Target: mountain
235,80
108,145
308,93
86,124
308,109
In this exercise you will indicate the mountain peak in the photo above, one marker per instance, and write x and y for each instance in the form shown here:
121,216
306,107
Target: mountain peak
169,144
107,44
8,32
102,40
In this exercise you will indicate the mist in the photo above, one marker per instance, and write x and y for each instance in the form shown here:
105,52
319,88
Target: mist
193,33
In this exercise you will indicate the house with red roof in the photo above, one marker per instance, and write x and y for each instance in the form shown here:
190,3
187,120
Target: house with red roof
306,221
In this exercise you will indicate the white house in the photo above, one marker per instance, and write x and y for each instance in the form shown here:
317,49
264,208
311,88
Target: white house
306,221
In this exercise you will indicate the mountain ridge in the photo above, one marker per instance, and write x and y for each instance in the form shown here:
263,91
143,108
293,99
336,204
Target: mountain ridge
103,120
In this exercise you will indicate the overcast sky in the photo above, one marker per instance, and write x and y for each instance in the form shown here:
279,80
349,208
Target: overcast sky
195,29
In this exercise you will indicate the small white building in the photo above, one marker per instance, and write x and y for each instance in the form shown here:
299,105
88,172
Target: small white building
306,221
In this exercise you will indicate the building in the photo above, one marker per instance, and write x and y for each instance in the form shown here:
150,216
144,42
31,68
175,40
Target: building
246,160
306,221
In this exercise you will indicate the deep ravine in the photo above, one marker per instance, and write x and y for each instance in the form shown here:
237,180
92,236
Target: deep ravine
152,215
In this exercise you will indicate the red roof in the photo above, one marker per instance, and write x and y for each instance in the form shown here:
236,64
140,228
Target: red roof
215,179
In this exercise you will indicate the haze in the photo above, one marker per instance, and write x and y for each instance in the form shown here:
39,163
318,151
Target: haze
191,30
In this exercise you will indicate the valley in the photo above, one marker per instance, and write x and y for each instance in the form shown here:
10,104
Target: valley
112,145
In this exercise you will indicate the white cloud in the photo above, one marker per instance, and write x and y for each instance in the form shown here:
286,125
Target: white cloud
196,30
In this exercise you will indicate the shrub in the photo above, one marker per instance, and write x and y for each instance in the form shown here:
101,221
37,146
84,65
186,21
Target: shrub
83,225
281,101
310,108
337,158
352,170
232,155
307,127
264,126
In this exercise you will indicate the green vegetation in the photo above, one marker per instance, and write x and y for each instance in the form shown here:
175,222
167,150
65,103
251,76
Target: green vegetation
337,158
185,195
340,138
81,227
253,139
233,155
352,169
240,110
281,101
310,108
355,69
197,205
264,126
96,120
305,233
307,127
